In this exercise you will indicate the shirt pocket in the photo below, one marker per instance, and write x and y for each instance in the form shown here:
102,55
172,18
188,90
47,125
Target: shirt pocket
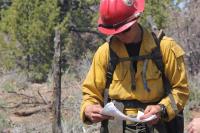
120,72
154,83
153,73
119,88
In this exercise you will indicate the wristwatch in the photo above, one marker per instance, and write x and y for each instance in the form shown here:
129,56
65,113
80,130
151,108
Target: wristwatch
163,111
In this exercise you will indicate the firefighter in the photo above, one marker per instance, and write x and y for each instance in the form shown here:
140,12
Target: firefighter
138,80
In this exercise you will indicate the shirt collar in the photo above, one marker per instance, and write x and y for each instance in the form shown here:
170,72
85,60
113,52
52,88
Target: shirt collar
147,45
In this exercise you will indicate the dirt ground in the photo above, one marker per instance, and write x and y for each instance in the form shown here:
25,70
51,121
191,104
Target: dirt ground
29,110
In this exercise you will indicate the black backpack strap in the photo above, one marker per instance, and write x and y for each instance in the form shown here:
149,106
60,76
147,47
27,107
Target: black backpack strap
156,53
113,61
159,63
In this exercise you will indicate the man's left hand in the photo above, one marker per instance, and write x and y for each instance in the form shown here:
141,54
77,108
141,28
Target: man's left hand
152,110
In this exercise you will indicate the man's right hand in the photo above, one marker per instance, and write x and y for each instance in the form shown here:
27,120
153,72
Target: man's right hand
93,113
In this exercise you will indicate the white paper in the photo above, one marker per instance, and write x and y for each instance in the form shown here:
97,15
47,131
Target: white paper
111,110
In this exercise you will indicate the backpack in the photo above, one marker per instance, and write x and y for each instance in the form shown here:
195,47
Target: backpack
157,59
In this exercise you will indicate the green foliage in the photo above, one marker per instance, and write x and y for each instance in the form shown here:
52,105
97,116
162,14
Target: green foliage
159,11
2,103
3,122
193,102
80,20
29,25
194,92
32,24
8,87
4,4
3,117
8,52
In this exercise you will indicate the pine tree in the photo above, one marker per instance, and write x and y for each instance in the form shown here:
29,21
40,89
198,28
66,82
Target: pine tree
31,24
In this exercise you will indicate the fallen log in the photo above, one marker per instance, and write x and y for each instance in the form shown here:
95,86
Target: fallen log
28,112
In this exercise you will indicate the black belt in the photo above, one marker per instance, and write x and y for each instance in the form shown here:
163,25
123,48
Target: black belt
135,103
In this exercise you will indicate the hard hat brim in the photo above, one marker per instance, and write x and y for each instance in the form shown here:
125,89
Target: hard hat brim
113,31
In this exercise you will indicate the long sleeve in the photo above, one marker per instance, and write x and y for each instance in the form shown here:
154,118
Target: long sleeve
94,82
176,72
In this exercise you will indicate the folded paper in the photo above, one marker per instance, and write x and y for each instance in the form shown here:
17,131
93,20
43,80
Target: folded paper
111,110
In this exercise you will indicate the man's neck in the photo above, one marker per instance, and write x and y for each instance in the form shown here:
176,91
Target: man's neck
138,36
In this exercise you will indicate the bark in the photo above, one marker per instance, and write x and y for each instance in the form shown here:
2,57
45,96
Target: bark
56,127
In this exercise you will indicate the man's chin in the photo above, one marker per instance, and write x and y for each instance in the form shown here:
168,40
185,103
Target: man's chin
126,41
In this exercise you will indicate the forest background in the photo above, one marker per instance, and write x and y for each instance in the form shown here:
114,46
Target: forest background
27,30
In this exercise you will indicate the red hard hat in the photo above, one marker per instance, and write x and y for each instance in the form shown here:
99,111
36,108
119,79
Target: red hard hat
118,15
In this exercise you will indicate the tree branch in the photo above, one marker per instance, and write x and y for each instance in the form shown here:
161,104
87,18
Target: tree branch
86,30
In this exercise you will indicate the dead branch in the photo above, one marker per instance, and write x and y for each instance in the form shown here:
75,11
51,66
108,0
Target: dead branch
2,107
87,30
43,98
64,99
32,98
16,105
28,112
21,94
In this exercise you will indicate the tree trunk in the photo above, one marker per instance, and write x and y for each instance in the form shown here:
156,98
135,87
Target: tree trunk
57,127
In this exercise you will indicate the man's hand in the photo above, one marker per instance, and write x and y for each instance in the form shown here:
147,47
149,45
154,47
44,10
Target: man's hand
93,113
194,126
152,110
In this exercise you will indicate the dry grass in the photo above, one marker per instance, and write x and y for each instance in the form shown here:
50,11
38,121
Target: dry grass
193,104
41,122
71,107
71,100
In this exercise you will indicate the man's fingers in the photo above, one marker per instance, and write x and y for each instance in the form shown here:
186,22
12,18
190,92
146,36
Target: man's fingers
153,122
93,112
146,115
151,110
148,109
105,117
97,109
95,117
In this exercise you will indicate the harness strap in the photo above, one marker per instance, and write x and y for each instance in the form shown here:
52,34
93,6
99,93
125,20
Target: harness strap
138,58
144,79
135,103
114,60
133,83
156,57
160,65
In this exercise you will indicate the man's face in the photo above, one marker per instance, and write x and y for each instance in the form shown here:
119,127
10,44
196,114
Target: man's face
129,35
